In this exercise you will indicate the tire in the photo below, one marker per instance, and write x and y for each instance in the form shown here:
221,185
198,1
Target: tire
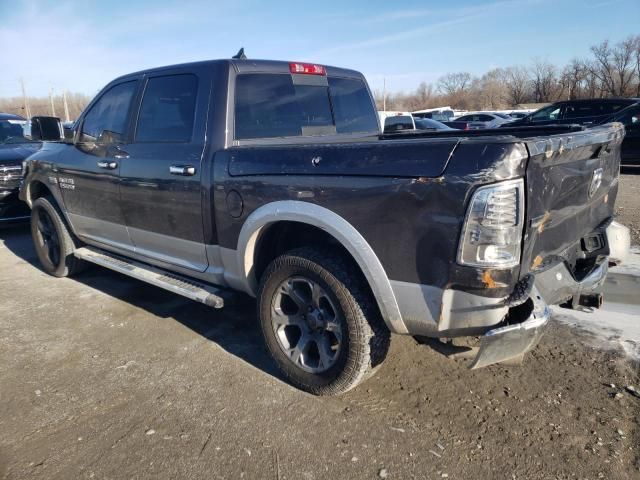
52,240
319,321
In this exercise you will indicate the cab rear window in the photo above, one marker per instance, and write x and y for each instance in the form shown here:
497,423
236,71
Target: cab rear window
271,106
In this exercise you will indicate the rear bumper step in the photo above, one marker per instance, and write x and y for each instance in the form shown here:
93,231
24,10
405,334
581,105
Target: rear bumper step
207,294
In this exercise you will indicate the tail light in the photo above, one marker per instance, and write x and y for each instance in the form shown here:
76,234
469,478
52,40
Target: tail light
307,69
492,231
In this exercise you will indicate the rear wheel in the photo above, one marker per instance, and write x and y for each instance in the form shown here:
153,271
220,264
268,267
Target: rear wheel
52,240
319,321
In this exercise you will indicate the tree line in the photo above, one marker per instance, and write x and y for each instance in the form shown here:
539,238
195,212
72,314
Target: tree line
42,105
611,70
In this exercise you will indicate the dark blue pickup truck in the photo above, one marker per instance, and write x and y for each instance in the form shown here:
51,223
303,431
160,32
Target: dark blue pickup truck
271,178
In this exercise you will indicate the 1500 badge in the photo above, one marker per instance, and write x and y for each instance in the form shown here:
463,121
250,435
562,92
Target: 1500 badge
66,183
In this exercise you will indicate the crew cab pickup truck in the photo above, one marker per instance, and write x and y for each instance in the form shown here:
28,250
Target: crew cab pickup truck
272,178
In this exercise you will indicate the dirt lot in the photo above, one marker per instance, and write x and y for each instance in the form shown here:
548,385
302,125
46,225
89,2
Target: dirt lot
105,377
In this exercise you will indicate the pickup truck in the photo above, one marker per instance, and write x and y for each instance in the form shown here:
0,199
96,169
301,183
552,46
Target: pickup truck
272,178
19,138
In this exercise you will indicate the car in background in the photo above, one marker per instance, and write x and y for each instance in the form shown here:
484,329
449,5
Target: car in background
441,115
430,124
391,122
15,146
480,120
630,149
581,112
517,115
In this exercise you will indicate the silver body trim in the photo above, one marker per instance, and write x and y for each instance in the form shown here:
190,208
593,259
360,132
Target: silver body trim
428,310
242,274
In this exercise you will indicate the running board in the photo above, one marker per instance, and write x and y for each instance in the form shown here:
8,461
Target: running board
207,294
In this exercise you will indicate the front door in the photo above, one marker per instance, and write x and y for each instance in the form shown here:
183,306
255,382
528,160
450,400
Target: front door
160,186
89,170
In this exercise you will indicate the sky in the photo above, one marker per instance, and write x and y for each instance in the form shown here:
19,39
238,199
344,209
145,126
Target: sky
82,45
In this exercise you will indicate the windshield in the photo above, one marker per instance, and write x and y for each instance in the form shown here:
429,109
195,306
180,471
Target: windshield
503,115
430,124
13,131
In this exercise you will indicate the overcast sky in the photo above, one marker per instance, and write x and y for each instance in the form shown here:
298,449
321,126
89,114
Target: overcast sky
80,46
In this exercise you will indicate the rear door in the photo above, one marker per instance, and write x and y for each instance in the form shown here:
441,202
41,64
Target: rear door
160,187
89,170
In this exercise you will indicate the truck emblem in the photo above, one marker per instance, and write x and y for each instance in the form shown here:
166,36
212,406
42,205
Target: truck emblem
596,181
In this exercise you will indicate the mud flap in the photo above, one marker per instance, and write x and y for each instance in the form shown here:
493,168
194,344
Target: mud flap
512,341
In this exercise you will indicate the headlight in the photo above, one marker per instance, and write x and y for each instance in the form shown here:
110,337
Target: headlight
492,231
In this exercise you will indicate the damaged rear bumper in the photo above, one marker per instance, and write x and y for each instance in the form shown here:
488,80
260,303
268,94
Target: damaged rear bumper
512,341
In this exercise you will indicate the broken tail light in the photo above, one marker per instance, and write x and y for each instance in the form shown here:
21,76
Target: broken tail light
492,231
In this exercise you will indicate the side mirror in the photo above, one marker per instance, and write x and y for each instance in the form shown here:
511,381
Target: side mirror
46,129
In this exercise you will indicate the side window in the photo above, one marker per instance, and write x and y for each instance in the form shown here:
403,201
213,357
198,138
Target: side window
548,113
486,118
167,109
106,122
581,110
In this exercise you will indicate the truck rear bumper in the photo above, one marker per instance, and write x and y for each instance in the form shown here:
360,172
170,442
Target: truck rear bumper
514,340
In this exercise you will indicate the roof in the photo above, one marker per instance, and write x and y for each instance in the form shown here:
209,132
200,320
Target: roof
10,116
250,65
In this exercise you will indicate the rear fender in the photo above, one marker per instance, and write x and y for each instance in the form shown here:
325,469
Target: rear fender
239,268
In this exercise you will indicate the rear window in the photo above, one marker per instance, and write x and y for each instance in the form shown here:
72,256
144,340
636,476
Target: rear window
271,106
398,123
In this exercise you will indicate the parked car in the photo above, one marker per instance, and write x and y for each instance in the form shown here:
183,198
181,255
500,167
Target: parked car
517,115
630,118
272,178
484,120
442,115
14,148
396,121
582,112
430,124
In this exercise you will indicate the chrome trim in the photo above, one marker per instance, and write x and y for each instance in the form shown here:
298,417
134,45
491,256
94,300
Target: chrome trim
557,284
619,240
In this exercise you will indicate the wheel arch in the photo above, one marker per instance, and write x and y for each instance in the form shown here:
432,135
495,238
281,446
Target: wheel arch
345,234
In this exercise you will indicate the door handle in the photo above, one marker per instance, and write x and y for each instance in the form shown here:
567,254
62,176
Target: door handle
186,170
108,165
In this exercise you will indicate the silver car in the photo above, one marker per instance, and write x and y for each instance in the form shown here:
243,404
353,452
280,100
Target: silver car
484,120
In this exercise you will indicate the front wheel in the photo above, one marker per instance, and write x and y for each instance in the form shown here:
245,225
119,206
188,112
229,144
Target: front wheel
52,240
320,322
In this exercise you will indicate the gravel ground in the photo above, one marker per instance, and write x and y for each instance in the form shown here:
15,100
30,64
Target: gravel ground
105,377
628,202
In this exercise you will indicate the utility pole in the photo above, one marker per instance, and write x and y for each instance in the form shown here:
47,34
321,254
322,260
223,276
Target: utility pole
66,106
384,94
53,108
25,103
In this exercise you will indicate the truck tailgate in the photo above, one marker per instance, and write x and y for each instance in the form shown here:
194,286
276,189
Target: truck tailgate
572,184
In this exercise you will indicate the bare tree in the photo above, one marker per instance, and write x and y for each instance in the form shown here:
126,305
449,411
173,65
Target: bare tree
545,83
614,66
572,78
517,85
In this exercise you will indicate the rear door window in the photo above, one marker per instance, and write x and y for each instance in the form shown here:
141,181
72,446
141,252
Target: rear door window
271,106
167,110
